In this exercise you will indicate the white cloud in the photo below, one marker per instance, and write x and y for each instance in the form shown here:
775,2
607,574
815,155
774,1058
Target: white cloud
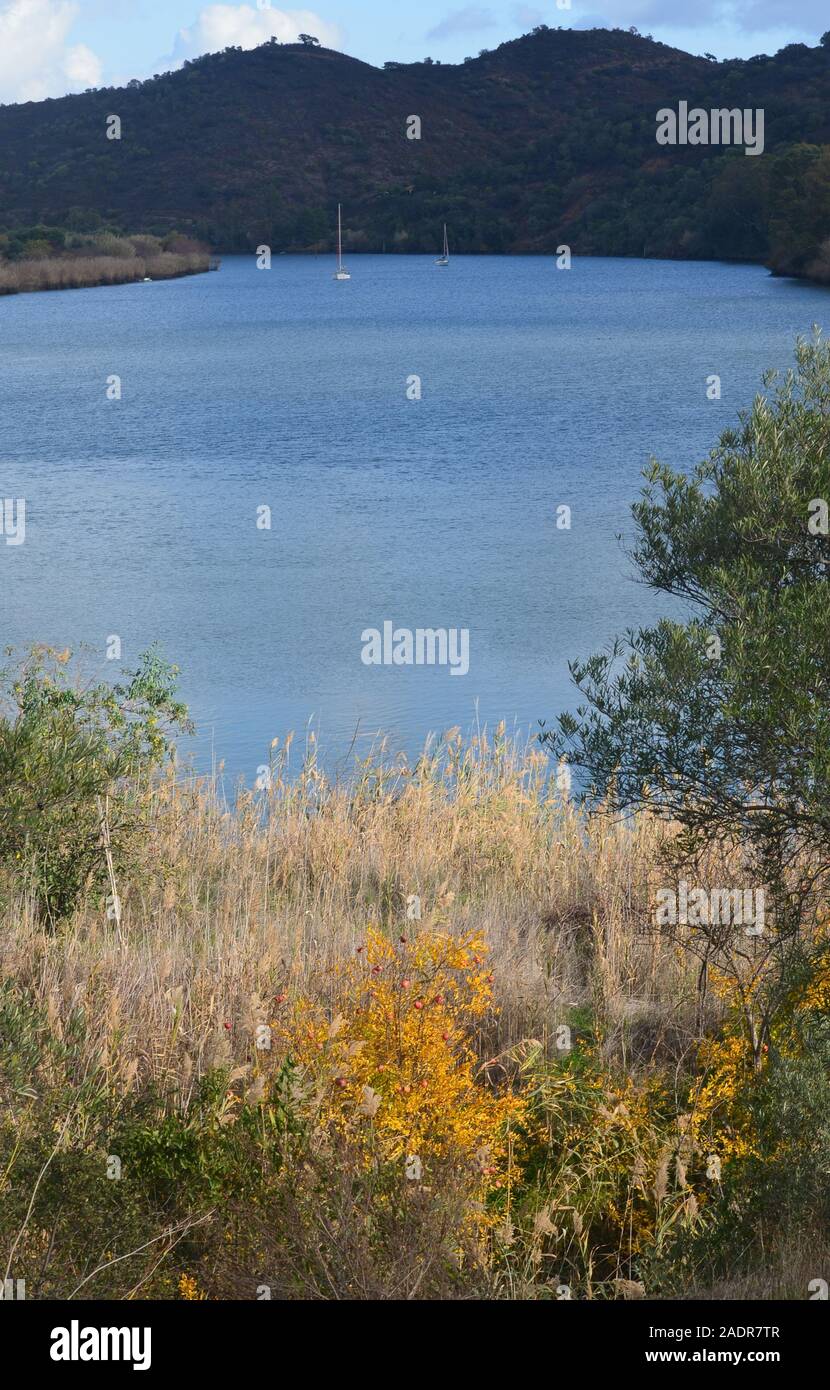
468,21
36,58
83,66
224,26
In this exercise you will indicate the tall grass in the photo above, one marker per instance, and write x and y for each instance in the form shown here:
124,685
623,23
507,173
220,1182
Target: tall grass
236,908
232,904
74,272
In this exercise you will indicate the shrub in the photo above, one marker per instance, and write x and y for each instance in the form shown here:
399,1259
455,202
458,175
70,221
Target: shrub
761,1138
605,1179
390,1062
67,752
721,723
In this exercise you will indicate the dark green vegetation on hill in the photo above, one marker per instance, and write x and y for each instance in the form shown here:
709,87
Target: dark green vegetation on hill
548,138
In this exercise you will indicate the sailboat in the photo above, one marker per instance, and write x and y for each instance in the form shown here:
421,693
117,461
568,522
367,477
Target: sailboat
444,258
341,272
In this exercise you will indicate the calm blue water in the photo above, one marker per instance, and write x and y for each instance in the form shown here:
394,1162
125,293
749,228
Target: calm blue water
249,388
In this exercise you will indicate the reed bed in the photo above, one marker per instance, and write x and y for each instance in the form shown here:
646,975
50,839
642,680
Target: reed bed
74,272
134,1036
235,901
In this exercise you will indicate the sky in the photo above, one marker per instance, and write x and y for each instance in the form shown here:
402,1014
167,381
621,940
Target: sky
51,47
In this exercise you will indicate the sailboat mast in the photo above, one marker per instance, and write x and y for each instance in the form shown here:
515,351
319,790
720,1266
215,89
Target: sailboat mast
339,241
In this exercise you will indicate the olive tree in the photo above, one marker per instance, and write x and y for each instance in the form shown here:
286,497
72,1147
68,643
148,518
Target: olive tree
721,722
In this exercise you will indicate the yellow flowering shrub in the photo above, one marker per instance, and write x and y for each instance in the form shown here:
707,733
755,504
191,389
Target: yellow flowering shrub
189,1289
391,1065
721,1120
721,1097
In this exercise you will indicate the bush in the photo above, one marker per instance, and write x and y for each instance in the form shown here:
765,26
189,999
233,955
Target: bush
761,1139
390,1065
70,755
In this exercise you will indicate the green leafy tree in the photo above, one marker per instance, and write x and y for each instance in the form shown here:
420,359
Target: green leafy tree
71,757
722,722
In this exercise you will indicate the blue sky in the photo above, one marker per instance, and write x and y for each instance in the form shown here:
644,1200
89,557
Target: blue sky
49,47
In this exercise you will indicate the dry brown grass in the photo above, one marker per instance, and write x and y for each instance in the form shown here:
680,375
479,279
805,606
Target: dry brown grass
76,272
232,904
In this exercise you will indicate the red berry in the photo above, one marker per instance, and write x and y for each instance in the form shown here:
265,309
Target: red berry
419,1003
405,984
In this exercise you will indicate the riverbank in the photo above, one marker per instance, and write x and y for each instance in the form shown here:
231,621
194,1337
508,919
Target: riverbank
25,277
53,259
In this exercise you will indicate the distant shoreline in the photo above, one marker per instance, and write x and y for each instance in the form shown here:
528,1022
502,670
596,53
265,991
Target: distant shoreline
58,273
820,277
61,258
33,277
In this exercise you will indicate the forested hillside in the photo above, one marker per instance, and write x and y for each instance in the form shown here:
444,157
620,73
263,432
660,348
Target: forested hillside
548,138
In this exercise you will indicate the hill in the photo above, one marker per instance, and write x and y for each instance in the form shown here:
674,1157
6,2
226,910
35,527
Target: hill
548,138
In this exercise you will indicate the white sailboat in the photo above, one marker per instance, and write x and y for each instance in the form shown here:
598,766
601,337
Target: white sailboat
444,258
341,272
